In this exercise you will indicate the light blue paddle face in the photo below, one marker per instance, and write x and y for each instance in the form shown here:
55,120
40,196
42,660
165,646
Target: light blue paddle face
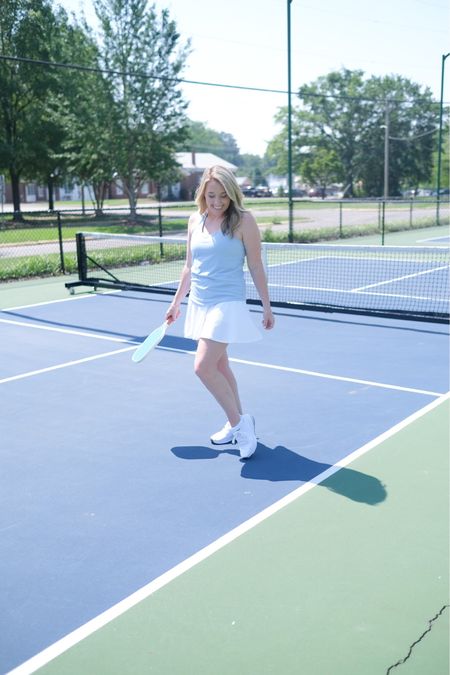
149,343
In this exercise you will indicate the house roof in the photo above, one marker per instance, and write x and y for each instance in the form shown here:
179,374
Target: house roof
199,161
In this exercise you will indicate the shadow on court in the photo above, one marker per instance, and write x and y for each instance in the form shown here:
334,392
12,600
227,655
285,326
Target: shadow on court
169,341
282,464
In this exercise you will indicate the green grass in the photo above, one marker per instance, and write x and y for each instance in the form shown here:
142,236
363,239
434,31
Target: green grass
308,236
48,233
36,266
113,259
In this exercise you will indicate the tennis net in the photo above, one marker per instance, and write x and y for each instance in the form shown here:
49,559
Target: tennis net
401,281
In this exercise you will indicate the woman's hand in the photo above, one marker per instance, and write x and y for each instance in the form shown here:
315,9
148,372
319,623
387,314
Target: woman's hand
172,313
268,319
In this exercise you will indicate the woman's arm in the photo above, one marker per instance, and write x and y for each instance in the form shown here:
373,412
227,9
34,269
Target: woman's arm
173,312
252,242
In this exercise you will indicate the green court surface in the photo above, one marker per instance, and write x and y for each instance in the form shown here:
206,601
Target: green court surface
18,293
349,578
342,581
427,236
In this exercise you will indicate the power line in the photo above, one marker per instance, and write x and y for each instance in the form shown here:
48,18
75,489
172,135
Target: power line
354,17
345,97
109,71
413,138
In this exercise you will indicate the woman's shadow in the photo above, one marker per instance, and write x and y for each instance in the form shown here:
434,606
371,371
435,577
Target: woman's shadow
282,464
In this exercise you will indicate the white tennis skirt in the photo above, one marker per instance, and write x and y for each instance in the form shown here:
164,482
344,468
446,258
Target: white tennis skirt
227,322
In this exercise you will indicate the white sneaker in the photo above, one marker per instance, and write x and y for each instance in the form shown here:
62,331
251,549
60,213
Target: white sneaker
224,436
244,436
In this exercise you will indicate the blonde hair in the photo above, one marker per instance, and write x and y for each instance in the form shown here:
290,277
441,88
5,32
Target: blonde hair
229,183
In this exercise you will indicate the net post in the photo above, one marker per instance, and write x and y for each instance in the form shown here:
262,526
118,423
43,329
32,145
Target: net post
81,256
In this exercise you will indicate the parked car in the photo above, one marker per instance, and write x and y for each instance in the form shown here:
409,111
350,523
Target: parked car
317,192
258,191
263,191
296,192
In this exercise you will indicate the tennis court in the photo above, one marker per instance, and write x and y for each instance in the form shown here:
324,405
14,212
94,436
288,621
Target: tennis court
131,545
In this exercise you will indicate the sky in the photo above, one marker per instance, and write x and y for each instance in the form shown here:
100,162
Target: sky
244,43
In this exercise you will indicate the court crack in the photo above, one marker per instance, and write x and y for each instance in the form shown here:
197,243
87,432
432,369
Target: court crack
419,639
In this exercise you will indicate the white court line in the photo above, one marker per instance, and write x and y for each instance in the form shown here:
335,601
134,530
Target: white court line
406,276
300,371
47,302
84,631
67,364
69,331
443,238
54,302
340,378
362,291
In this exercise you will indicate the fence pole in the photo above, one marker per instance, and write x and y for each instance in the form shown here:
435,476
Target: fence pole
441,110
61,246
411,212
383,215
291,203
160,221
161,245
340,220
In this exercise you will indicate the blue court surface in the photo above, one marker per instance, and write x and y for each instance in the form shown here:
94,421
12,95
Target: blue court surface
108,477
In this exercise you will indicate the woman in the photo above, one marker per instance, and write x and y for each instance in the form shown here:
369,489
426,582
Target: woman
220,235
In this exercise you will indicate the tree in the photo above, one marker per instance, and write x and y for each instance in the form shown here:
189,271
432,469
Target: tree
86,147
147,121
27,29
277,149
320,167
202,138
412,121
252,166
230,150
66,120
335,116
343,113
86,114
445,154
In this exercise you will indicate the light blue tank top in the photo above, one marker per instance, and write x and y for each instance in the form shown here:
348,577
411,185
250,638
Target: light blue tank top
217,273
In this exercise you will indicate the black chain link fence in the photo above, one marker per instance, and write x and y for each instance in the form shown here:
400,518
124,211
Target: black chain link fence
42,243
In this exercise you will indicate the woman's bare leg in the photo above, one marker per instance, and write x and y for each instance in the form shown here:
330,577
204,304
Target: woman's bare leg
224,368
208,356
